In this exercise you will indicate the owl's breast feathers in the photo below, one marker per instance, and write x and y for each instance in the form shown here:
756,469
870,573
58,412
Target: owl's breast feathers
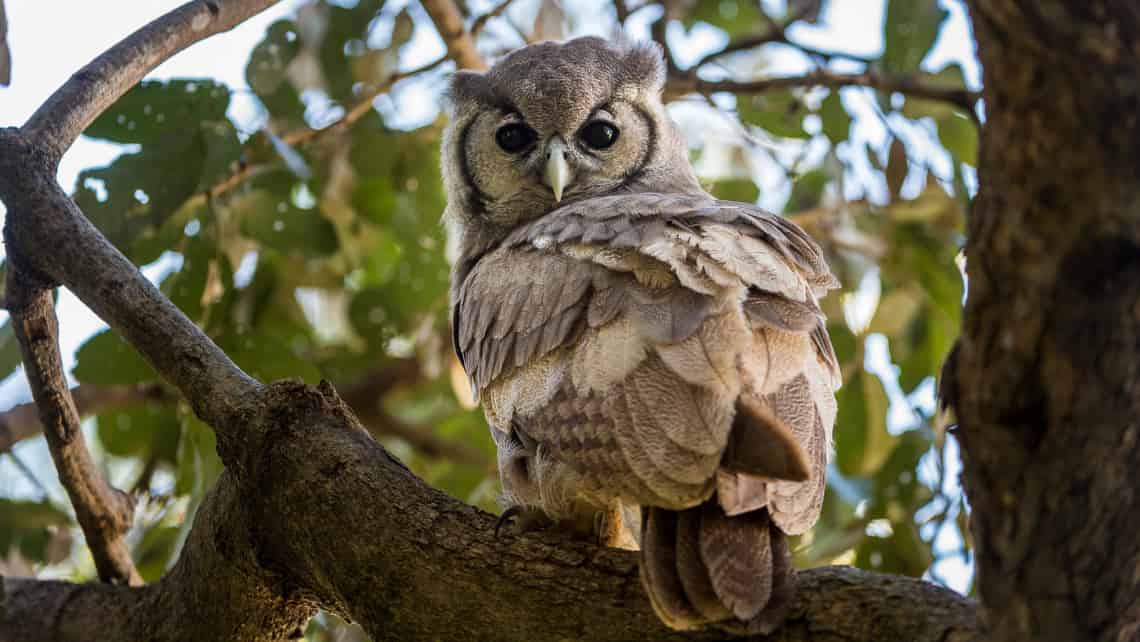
639,337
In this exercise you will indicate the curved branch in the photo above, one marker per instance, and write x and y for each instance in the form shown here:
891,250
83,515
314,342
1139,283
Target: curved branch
52,237
91,90
103,512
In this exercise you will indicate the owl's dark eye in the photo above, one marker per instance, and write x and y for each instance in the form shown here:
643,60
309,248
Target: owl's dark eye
515,137
599,134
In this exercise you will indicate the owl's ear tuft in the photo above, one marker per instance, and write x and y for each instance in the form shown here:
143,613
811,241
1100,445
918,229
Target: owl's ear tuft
466,87
645,65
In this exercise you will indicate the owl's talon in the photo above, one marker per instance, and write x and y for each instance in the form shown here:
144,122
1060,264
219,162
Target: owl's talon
507,517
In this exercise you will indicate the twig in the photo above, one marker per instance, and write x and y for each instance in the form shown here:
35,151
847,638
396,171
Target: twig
305,136
103,512
60,120
909,85
481,21
460,43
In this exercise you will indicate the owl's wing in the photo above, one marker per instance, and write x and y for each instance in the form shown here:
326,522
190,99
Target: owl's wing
613,332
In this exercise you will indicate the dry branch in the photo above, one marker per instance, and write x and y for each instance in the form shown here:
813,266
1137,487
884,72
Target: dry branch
104,513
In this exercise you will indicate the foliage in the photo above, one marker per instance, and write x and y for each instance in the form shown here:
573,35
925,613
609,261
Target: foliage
324,259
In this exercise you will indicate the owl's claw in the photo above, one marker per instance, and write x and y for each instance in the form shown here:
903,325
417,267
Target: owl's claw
507,517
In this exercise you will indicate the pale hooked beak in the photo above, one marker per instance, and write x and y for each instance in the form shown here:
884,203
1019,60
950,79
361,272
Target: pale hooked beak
557,173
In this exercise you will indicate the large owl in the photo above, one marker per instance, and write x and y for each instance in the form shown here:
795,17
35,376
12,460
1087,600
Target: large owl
635,342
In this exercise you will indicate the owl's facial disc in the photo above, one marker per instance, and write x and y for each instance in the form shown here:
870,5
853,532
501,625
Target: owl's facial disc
557,172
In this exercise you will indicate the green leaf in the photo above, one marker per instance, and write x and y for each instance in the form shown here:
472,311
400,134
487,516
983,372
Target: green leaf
373,317
139,431
30,527
136,194
107,360
154,108
898,165
267,75
949,77
835,120
743,190
780,114
909,31
960,137
274,221
735,17
862,442
198,463
269,357
153,553
807,190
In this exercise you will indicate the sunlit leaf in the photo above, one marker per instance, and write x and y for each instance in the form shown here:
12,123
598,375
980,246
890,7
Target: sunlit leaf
780,114
909,31
106,359
155,108
835,120
862,442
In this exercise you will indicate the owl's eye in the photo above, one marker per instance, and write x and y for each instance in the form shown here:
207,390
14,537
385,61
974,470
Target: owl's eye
599,134
515,137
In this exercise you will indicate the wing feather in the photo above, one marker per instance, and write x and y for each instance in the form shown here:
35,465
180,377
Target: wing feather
618,332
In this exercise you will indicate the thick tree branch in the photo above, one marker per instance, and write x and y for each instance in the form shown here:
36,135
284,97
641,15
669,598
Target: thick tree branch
60,120
104,513
421,565
460,43
1046,379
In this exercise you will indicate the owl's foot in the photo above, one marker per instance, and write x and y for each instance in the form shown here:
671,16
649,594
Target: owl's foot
522,520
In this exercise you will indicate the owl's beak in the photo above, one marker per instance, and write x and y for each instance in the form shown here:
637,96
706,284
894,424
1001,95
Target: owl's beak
557,173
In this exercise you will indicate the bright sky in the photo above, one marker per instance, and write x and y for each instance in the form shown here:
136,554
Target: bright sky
41,64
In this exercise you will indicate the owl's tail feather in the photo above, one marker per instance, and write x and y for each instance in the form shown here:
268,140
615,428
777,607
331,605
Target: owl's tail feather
701,566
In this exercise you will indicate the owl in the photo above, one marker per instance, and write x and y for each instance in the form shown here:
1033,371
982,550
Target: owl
640,348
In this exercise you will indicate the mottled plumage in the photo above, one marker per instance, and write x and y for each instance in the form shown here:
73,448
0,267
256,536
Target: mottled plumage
634,341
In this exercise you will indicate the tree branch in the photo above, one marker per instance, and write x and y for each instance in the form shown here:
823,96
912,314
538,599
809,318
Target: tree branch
103,512
449,24
60,120
427,566
909,85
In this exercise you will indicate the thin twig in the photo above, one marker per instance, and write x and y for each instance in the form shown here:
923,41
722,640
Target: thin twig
449,23
481,21
909,85
103,512
304,136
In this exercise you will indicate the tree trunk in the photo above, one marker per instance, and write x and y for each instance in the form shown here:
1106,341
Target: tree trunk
1048,368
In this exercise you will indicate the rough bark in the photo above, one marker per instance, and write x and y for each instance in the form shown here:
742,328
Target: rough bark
104,514
1048,368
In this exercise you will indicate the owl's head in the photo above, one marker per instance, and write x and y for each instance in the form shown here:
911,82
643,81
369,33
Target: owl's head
556,122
